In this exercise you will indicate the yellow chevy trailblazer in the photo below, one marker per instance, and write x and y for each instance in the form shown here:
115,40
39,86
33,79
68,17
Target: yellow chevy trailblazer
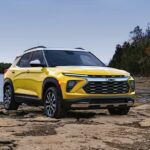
61,79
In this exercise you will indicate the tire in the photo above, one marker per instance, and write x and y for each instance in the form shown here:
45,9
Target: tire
8,99
119,110
52,103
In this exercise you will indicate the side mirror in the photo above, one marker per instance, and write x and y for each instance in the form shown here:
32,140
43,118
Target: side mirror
36,63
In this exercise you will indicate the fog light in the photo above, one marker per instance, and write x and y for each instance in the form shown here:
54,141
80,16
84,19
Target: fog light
130,103
70,85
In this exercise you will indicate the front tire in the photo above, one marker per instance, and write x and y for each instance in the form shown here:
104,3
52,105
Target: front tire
8,99
52,103
119,110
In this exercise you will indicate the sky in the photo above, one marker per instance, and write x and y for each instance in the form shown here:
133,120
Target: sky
96,25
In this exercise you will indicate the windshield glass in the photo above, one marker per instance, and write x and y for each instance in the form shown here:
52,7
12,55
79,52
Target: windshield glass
71,58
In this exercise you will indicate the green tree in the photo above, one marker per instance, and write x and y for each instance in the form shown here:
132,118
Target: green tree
4,66
133,55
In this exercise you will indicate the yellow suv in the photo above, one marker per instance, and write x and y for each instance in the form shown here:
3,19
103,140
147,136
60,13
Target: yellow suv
63,79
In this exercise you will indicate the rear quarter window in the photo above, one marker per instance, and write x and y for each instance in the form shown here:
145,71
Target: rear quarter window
16,61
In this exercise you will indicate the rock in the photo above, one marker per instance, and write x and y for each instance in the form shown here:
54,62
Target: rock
145,123
5,112
5,140
7,122
6,143
30,115
8,112
5,148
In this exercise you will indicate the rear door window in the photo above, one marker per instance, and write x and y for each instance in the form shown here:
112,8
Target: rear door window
38,55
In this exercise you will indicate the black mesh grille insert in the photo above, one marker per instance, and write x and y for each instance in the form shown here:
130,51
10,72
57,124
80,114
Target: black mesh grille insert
105,87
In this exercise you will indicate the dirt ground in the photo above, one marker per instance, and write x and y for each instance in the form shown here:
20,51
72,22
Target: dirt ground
29,129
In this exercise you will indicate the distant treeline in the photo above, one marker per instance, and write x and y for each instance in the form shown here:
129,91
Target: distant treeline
134,55
4,66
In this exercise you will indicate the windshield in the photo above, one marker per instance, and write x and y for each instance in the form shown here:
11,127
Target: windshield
71,58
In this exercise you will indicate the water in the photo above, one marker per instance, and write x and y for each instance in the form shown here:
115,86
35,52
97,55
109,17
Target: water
1,87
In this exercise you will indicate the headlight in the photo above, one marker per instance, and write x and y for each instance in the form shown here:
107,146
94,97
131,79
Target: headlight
70,85
75,75
132,84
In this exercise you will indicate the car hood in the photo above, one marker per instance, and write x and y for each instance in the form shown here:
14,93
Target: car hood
90,70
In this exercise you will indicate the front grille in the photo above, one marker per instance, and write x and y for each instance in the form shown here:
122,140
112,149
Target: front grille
106,87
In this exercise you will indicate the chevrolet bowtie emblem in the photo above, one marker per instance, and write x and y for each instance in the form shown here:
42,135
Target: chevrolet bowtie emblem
110,80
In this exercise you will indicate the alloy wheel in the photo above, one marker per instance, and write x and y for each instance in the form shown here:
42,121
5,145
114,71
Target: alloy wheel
7,96
50,104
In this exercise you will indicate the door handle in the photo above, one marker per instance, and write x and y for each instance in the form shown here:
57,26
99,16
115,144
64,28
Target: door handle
13,72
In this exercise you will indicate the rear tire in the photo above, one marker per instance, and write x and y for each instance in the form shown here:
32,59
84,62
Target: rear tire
119,110
8,99
52,103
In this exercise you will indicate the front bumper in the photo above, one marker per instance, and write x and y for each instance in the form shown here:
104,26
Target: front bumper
100,103
78,95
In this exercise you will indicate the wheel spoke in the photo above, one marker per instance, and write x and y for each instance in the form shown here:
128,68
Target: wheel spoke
48,96
6,102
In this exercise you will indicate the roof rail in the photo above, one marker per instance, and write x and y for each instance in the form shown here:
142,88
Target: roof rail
80,48
34,48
